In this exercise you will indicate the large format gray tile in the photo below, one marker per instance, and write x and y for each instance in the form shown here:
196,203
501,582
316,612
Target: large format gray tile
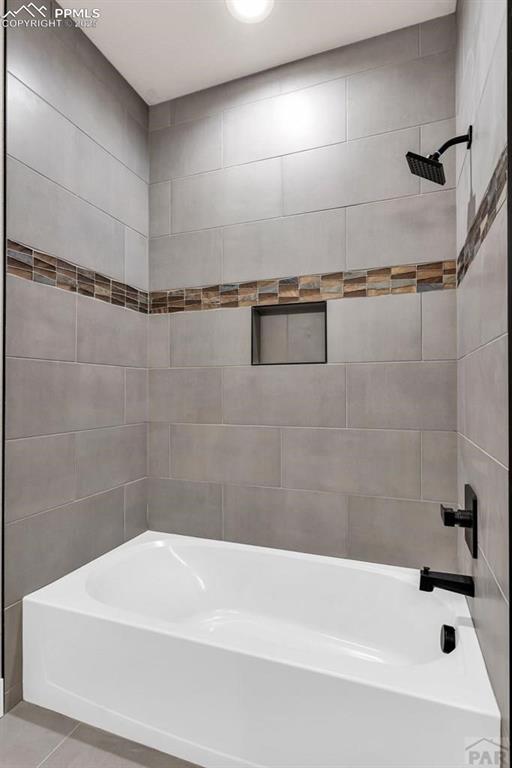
303,521
159,341
136,402
41,322
69,536
47,142
281,395
211,101
182,150
294,245
482,295
489,133
190,509
109,457
61,223
272,338
88,747
46,397
399,45
28,734
160,209
88,104
306,336
186,394
159,439
212,337
408,230
439,325
405,533
489,480
348,173
438,35
466,203
402,395
483,398
91,57
246,455
109,334
439,466
39,474
110,184
291,122
374,462
230,196
385,328
135,508
136,259
13,664
491,618
493,290
181,261
161,115
401,95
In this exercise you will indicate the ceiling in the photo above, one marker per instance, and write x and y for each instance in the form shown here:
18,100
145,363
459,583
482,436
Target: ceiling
166,48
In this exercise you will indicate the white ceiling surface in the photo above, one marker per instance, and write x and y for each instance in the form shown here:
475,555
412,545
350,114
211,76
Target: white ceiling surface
167,48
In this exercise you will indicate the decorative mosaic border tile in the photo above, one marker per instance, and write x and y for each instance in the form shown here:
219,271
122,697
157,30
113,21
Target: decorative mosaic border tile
492,201
41,268
413,278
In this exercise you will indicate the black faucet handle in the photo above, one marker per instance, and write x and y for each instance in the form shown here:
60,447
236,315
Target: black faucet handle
461,517
448,515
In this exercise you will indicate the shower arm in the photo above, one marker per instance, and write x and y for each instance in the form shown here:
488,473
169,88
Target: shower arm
465,139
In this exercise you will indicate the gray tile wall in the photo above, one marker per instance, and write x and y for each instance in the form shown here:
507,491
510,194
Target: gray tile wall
349,458
76,450
297,171
482,332
78,154
76,390
300,169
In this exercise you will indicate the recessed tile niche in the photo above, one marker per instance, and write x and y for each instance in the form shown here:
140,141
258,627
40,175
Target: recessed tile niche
289,333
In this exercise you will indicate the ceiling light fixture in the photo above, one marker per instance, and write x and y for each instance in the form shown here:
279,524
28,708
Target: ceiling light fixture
250,11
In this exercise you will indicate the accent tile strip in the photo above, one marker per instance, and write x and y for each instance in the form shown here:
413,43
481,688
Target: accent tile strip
492,201
412,278
42,268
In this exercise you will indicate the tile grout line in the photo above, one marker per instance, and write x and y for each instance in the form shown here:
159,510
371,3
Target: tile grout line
78,128
76,195
312,212
41,764
283,92
10,523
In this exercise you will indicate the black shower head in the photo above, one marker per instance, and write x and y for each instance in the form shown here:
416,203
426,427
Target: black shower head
427,167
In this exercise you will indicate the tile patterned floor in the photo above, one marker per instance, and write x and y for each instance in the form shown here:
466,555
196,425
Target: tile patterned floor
31,737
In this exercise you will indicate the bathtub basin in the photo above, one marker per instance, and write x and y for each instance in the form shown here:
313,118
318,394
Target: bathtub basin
231,655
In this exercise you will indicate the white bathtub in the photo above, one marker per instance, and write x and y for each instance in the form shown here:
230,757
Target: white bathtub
230,655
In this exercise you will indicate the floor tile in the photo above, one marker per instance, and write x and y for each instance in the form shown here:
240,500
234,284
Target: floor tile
28,734
90,748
